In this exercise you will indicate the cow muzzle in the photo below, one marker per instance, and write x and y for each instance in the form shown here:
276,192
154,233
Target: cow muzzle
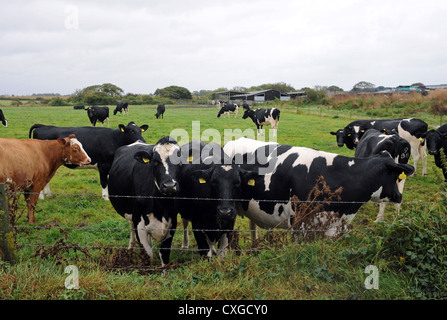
225,215
169,188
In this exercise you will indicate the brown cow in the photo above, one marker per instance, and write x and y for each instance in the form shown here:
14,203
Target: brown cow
30,164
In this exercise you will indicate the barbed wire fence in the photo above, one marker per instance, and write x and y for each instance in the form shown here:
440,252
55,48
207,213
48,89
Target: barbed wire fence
302,228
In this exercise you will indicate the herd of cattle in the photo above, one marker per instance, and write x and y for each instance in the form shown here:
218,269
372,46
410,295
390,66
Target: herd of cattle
209,185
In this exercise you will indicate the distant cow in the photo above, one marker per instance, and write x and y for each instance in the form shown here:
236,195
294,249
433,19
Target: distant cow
210,187
262,117
100,114
412,130
120,107
437,146
375,142
2,119
30,164
100,143
160,111
142,182
295,171
228,108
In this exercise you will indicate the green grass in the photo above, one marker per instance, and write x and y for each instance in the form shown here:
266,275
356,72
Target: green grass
324,269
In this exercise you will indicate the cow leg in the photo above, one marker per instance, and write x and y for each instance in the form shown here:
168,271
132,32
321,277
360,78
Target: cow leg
185,243
423,155
415,154
132,230
202,243
145,239
31,201
253,231
103,179
223,245
165,246
382,206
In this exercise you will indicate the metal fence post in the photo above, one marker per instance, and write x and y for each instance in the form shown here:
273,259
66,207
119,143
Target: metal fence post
7,249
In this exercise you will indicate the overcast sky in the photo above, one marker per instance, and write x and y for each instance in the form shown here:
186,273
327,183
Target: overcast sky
60,46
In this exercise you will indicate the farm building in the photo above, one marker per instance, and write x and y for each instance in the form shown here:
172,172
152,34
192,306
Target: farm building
257,96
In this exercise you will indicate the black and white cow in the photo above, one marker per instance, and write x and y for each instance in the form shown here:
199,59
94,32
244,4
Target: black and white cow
289,171
412,130
375,142
228,108
142,183
263,117
436,145
3,119
160,111
210,188
99,143
96,114
120,107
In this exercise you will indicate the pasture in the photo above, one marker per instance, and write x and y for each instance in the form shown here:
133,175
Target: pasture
75,226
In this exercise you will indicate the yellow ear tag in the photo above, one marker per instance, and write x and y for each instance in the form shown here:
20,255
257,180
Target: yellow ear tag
420,139
142,130
201,180
251,182
146,160
190,159
402,176
122,130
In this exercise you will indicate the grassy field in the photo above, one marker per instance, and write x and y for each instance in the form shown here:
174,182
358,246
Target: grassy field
76,227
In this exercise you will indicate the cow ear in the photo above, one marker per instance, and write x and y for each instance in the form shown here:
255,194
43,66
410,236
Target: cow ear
333,133
202,176
122,127
61,141
402,170
248,177
144,157
144,127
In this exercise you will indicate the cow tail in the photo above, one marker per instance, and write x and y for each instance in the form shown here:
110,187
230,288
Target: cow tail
34,126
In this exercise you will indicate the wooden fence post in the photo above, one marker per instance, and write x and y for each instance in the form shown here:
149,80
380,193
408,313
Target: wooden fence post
7,249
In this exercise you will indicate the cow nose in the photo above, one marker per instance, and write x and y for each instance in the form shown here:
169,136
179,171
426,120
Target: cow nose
225,212
169,188
433,152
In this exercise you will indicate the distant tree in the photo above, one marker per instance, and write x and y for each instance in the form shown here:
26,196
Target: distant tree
334,88
279,86
106,93
362,85
173,92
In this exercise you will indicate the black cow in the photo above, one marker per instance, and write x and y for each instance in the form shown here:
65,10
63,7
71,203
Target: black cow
160,111
375,142
99,143
293,171
262,117
412,130
100,114
120,107
228,108
210,185
3,119
437,146
142,182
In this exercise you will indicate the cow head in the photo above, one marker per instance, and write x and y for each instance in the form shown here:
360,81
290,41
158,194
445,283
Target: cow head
248,113
434,140
166,169
224,184
73,152
391,175
346,136
132,132
340,137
